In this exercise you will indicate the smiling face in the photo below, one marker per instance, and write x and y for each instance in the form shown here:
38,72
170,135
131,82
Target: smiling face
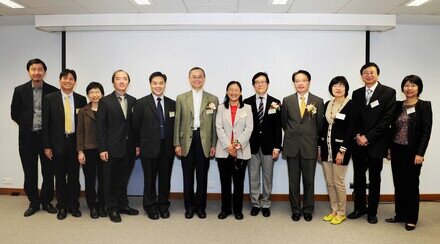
120,82
234,93
410,90
36,72
197,79
94,95
261,85
302,83
338,90
67,83
157,85
370,76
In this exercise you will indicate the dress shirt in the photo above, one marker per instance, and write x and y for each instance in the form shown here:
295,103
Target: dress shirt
197,100
257,101
72,108
38,98
306,96
372,88
161,102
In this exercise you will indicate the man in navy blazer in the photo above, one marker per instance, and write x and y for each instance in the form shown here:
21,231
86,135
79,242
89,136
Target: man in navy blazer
265,143
153,123
26,111
116,145
59,141
376,103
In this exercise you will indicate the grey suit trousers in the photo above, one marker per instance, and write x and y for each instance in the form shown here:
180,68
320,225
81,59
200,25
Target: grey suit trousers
265,163
297,166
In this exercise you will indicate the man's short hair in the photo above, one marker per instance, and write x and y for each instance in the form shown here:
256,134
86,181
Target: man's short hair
35,61
196,68
120,70
156,74
65,72
368,65
304,72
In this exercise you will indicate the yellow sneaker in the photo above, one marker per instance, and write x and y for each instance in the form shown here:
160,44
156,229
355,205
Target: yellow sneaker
329,217
338,219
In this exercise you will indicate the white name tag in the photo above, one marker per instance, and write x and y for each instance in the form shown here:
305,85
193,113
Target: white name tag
340,116
374,104
339,140
171,114
243,115
272,111
410,110
209,111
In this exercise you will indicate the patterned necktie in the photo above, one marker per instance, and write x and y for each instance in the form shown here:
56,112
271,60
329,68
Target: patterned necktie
368,97
260,111
123,105
67,115
302,107
161,118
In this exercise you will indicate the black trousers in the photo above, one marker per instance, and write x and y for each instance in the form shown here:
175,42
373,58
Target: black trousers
233,169
116,174
67,175
160,168
406,183
195,161
93,172
29,160
361,163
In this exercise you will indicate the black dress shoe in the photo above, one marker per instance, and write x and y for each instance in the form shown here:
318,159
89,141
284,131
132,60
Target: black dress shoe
372,219
238,216
223,215
201,214
75,212
30,211
102,212
189,214
94,214
410,227
49,208
164,214
255,211
62,213
127,210
308,217
356,214
153,214
296,216
395,219
265,212
114,216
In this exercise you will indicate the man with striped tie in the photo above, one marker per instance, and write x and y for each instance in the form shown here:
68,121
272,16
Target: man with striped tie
265,143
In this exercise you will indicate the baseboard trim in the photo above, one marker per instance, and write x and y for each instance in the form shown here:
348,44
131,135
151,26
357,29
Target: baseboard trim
275,197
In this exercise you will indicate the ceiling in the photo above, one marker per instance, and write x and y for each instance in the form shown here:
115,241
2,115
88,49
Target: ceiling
427,12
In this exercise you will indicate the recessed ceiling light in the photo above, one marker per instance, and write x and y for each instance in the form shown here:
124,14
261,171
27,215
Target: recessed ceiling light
11,4
143,2
279,2
416,3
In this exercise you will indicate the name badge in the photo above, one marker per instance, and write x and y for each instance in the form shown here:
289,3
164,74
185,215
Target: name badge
339,140
374,104
209,111
243,115
172,114
410,110
272,111
77,110
340,116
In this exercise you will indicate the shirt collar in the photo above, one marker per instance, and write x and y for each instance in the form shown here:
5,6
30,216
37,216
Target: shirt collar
197,93
155,97
66,95
373,87
264,96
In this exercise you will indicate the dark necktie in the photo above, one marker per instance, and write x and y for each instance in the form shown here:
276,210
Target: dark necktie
260,112
161,118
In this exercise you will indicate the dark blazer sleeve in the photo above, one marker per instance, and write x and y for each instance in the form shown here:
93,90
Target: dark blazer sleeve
425,127
278,128
137,119
350,133
16,106
101,125
80,131
319,114
46,122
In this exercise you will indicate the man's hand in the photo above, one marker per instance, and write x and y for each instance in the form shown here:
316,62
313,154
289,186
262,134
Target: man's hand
104,156
138,151
178,150
418,160
275,153
361,140
212,152
81,157
48,153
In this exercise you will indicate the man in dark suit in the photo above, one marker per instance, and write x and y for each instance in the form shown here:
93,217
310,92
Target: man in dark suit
153,122
26,111
59,141
302,115
116,145
265,143
376,104
195,140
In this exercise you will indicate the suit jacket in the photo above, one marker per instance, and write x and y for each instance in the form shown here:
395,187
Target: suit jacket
342,133
269,135
146,126
375,118
53,119
419,128
114,131
184,122
86,131
242,129
301,134
22,109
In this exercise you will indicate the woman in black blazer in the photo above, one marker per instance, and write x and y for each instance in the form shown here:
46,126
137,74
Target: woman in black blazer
336,139
411,133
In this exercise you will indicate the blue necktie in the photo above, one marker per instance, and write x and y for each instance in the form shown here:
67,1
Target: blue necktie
161,118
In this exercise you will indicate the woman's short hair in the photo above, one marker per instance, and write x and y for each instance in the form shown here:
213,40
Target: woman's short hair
95,85
413,79
339,80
